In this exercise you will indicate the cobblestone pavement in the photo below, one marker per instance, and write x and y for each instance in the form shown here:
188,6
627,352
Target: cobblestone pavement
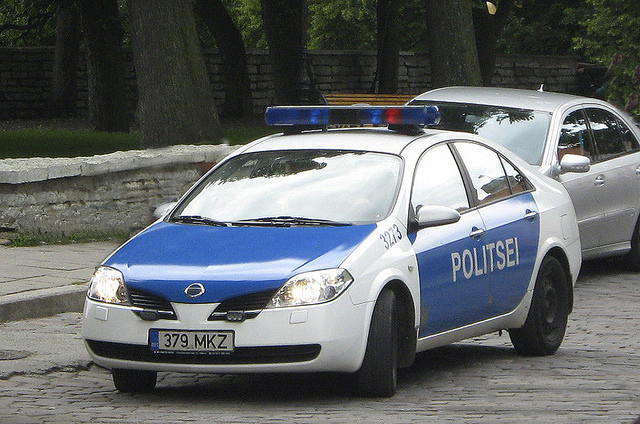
594,378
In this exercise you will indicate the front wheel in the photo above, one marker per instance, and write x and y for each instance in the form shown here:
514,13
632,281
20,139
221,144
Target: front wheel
134,381
546,322
378,374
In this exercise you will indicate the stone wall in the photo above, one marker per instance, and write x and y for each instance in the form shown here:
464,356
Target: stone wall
25,76
113,192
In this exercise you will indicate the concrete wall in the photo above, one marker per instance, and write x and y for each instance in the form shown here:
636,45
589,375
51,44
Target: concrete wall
25,76
113,192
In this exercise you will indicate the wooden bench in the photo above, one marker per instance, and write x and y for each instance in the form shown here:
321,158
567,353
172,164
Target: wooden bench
349,99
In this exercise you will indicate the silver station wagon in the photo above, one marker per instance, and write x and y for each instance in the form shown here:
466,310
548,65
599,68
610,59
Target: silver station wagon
587,144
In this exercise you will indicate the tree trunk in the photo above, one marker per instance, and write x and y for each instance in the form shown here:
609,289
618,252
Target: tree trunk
105,65
388,46
238,102
488,29
176,104
452,47
285,24
63,84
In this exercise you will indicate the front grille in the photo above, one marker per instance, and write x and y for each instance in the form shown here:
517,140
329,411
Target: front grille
241,355
151,302
250,305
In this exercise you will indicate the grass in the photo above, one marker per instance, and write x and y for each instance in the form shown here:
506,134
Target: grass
57,142
70,138
37,239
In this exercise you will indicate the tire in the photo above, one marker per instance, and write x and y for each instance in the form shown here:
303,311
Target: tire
546,322
377,376
134,381
633,257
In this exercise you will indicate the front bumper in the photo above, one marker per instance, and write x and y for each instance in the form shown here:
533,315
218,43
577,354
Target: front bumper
325,337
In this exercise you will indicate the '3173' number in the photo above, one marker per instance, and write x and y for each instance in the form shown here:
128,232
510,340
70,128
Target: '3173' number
391,236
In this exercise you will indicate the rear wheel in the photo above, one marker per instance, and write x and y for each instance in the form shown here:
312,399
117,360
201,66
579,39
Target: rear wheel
546,323
378,374
134,381
633,257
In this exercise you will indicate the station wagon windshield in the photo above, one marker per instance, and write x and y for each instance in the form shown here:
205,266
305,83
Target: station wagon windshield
295,187
522,131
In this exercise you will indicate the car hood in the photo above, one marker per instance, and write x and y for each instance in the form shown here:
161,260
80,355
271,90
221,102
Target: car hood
229,261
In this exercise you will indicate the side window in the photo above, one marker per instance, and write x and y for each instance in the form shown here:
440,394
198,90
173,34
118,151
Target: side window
485,169
517,181
575,137
605,133
438,181
628,138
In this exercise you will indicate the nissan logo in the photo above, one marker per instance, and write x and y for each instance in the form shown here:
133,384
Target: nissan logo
194,290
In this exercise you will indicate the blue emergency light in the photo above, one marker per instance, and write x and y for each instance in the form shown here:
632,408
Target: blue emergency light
312,116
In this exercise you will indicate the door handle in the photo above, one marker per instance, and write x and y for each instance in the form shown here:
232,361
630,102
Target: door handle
476,232
638,170
530,215
600,180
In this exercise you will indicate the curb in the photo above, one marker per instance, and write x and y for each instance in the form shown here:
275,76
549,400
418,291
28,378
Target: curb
42,303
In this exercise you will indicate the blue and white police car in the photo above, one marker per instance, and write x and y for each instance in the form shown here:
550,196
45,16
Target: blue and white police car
342,250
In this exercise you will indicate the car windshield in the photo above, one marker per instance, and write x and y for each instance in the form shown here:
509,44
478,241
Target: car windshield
522,131
295,187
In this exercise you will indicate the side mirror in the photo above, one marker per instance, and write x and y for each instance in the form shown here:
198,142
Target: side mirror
434,215
574,163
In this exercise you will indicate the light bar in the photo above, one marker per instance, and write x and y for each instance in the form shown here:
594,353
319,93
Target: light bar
351,115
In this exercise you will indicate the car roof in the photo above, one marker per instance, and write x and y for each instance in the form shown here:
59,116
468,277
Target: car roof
507,97
359,139
370,139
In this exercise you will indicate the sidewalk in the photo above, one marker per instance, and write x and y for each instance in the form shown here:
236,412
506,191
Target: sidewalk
47,280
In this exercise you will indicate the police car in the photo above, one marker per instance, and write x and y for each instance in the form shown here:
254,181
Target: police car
343,250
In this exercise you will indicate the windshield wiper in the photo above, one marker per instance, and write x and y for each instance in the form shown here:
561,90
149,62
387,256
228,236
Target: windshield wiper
200,220
287,221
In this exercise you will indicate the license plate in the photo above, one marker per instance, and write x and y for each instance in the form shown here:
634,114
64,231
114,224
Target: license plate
191,341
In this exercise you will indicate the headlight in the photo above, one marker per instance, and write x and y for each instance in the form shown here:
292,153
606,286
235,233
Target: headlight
311,287
107,285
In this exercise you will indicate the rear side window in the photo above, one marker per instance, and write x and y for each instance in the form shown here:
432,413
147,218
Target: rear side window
517,181
492,177
628,137
607,134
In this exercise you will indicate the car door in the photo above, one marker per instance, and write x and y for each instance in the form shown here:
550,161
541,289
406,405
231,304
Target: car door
453,290
511,222
586,195
616,176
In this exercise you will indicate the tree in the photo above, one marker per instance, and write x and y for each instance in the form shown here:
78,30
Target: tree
238,102
388,36
176,104
613,26
63,85
489,21
342,24
285,24
452,47
542,27
27,23
248,16
105,65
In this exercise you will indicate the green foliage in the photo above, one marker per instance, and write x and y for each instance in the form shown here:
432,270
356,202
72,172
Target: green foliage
351,25
247,14
342,24
542,27
613,26
27,22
